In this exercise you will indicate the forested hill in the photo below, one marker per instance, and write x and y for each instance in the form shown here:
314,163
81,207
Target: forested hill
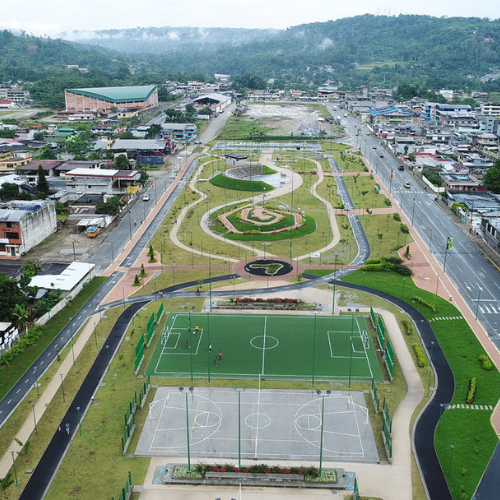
364,49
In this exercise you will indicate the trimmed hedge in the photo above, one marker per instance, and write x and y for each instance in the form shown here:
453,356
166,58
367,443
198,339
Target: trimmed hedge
420,355
471,394
424,302
407,325
485,362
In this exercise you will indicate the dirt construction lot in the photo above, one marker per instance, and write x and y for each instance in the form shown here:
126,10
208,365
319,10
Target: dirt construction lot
285,119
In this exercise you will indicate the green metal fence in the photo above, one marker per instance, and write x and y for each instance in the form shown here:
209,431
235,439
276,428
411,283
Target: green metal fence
159,314
139,352
376,400
373,318
389,358
127,489
380,336
144,391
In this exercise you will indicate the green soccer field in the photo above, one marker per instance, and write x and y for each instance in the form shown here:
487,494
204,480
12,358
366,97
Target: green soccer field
282,347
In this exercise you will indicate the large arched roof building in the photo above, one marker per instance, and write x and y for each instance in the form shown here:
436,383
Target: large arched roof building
101,100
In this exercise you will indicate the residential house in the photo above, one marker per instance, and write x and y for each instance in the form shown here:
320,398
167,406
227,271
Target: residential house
461,182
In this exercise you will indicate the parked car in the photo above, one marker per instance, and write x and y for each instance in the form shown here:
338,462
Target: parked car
407,185
145,197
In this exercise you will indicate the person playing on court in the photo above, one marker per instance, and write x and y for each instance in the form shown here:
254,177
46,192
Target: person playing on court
187,344
220,355
196,329
210,347
215,361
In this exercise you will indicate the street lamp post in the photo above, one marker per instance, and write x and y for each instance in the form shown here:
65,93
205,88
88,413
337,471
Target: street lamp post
430,370
62,388
107,355
34,417
413,211
187,425
403,294
15,471
73,351
478,297
314,351
79,421
129,224
239,391
95,333
36,379
318,392
451,458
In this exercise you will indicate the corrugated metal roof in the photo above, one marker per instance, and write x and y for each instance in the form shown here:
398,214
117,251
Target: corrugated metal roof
143,144
117,94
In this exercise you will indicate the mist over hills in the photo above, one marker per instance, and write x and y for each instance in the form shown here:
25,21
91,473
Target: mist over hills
366,49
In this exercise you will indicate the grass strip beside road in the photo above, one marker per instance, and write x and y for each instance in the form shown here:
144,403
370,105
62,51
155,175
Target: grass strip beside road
12,373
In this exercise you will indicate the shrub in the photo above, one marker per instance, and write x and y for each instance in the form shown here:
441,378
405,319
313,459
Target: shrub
423,302
384,266
136,281
397,217
419,354
485,362
407,326
394,260
404,228
373,261
471,394
403,270
388,202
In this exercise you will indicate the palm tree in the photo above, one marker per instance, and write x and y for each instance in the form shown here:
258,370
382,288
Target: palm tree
21,314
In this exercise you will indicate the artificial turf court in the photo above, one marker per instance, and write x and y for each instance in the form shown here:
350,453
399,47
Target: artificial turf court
274,346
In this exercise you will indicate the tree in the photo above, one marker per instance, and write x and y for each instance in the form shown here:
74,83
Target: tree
42,186
31,268
190,109
121,162
78,146
6,482
38,136
9,191
20,314
111,207
492,178
206,111
10,295
154,131
46,153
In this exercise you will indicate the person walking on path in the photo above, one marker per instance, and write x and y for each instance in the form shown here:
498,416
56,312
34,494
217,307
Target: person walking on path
59,430
209,347
67,429
220,355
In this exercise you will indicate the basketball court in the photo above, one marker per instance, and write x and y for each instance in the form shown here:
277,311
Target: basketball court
265,424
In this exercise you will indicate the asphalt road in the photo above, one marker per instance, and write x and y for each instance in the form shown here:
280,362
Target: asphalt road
474,276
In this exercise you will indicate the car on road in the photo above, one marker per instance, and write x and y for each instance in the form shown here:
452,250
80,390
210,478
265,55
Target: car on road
374,147
381,156
197,142
368,133
145,197
401,167
407,185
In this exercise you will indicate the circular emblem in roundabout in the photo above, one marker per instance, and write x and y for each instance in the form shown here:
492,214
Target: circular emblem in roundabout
268,267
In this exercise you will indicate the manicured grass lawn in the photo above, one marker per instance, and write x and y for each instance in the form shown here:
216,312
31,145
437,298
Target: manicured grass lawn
384,234
12,373
349,162
364,184
462,350
334,146
240,184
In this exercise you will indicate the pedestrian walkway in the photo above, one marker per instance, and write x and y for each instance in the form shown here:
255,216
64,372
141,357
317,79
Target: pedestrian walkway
52,390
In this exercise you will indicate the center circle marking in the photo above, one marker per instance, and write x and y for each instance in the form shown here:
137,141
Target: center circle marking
256,341
257,420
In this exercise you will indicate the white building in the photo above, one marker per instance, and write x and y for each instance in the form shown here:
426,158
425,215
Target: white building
25,224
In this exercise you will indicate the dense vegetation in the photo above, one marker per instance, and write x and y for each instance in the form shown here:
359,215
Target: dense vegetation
416,52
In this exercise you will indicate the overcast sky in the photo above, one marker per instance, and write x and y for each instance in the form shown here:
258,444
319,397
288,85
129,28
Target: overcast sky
51,17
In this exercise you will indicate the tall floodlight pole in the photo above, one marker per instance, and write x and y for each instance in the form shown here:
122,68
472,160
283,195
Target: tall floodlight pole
318,392
239,391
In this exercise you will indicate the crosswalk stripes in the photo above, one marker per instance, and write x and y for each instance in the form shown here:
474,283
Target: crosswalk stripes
446,318
470,407
488,309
